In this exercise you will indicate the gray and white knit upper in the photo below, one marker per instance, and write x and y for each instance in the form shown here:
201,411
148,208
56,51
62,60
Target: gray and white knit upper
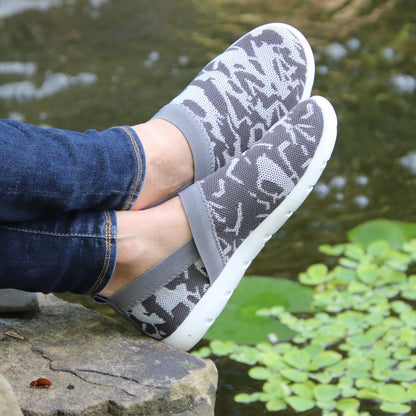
223,210
241,93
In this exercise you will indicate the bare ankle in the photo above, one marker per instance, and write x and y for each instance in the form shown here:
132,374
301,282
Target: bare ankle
169,162
144,238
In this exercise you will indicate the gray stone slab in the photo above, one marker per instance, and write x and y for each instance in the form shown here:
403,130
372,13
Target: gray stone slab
8,402
13,300
97,367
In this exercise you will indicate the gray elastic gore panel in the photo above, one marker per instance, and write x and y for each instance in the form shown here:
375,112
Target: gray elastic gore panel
194,133
202,231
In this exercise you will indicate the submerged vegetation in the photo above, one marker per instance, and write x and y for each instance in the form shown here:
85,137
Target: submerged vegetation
357,351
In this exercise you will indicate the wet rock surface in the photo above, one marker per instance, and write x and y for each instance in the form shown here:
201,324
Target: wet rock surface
97,367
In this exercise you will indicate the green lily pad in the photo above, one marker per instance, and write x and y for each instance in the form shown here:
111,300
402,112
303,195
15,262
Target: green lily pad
368,394
325,359
371,231
395,408
378,248
300,404
304,389
295,375
239,321
368,273
326,404
346,404
326,392
315,275
392,393
259,373
411,392
276,405
298,359
246,398
403,375
329,250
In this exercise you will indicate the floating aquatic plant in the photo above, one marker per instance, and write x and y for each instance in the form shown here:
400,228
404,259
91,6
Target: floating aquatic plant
359,345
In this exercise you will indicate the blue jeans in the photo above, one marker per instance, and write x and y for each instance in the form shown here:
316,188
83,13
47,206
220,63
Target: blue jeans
59,191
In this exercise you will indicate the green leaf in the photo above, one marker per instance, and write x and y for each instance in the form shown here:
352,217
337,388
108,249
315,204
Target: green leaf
403,375
392,393
326,405
350,412
411,392
222,347
368,273
239,321
328,392
395,408
409,317
304,389
378,247
368,394
371,231
410,247
295,375
381,364
336,250
315,275
402,353
203,352
346,404
325,359
300,404
259,373
246,398
298,359
354,252
277,389
275,405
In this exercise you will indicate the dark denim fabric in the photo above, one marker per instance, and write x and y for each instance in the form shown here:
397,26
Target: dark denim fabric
58,194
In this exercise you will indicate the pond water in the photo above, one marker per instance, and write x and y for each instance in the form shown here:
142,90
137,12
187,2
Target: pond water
80,64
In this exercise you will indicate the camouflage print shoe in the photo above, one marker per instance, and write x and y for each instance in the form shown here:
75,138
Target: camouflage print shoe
241,93
232,214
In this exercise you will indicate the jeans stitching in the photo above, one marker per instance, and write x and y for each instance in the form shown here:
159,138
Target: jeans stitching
107,255
133,190
35,231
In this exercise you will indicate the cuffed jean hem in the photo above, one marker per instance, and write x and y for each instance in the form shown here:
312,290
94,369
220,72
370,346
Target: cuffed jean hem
75,252
137,184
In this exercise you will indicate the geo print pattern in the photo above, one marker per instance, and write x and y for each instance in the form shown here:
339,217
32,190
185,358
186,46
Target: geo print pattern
239,95
242,194
163,311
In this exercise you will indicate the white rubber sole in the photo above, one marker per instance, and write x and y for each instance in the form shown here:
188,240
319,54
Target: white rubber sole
195,326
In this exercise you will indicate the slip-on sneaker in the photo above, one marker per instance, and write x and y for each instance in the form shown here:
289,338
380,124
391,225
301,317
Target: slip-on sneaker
232,214
241,93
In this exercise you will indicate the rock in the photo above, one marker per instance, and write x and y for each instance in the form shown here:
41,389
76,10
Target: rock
13,300
97,367
8,402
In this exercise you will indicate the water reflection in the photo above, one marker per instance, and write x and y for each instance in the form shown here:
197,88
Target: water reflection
137,55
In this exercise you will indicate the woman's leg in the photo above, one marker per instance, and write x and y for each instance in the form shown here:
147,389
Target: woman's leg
46,172
228,107
81,251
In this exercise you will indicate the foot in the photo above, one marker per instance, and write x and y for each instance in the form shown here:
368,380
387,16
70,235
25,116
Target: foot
227,108
231,215
241,93
144,238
